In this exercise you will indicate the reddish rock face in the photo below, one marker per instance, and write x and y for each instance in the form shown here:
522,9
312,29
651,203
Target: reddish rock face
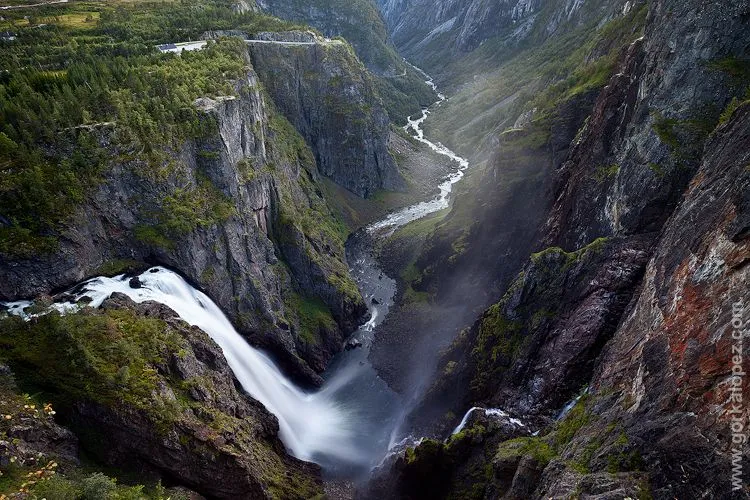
676,351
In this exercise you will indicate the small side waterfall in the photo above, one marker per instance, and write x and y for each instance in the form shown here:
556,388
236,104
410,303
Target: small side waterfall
488,412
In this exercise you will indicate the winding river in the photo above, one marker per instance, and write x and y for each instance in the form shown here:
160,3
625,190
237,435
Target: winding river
351,422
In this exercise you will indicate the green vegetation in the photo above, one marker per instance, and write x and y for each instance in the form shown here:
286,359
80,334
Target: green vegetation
657,169
402,88
497,345
95,486
603,173
738,69
685,138
118,266
733,105
547,447
184,210
86,74
313,316
537,447
108,357
123,362
620,457
573,422
569,258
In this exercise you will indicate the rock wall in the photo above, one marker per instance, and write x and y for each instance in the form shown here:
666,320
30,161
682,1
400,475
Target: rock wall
645,137
327,94
669,368
358,21
641,270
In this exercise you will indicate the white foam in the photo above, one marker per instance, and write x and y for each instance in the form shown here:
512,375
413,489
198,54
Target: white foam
489,412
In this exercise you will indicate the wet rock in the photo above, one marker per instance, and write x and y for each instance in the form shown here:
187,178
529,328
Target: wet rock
353,344
135,282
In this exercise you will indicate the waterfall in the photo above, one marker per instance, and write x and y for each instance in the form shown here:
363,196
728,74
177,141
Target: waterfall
350,423
312,426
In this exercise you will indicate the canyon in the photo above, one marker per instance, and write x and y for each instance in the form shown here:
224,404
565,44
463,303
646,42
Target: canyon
317,270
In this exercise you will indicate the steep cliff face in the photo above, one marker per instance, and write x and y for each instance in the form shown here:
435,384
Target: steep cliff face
323,89
670,366
218,210
634,295
645,137
358,21
402,87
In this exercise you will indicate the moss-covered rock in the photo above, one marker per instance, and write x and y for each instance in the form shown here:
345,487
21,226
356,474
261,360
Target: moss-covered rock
145,392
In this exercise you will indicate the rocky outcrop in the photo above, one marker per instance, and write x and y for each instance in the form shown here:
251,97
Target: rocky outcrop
456,468
535,349
330,98
670,365
157,399
214,209
30,436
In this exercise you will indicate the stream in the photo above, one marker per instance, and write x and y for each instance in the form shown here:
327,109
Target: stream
347,426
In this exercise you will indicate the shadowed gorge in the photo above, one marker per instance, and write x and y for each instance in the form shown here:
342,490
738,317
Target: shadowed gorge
376,249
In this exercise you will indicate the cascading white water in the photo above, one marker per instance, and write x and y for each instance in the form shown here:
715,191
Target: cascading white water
488,412
311,425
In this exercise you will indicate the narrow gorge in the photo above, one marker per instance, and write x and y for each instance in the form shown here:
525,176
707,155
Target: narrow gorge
374,249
